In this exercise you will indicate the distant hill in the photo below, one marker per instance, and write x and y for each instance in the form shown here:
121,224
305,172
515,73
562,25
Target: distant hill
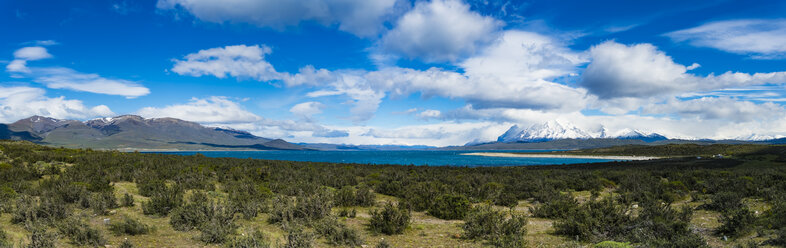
131,132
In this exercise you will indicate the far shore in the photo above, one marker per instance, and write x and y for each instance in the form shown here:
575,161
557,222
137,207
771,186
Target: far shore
523,155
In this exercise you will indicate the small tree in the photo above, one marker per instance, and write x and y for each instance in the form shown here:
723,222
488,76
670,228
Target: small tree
393,219
450,207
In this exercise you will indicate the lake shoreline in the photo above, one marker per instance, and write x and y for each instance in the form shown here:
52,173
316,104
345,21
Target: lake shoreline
522,155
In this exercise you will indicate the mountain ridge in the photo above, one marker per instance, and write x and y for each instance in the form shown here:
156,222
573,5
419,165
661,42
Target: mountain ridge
130,132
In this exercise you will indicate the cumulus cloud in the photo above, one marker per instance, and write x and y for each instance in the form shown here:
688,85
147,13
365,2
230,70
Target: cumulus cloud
66,78
760,38
32,53
430,114
22,102
307,109
440,30
211,110
643,71
238,61
724,108
360,17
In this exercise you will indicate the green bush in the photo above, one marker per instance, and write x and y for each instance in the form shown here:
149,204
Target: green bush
40,238
337,233
80,232
736,222
4,242
127,201
595,221
164,201
302,208
217,230
383,244
126,244
723,201
129,226
34,209
214,219
559,207
364,196
450,207
149,187
345,197
297,238
393,219
100,203
253,239
483,222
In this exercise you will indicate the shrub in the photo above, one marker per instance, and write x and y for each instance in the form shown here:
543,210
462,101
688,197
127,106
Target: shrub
364,197
163,202
297,238
4,243
595,221
126,244
483,222
345,197
303,207
450,207
102,202
127,201
129,226
559,207
34,209
248,197
723,201
149,187
383,244
337,233
420,196
80,232
40,238
393,219
254,239
217,230
736,222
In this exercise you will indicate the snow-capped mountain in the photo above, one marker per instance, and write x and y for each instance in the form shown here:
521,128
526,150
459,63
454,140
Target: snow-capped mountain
554,130
550,130
640,135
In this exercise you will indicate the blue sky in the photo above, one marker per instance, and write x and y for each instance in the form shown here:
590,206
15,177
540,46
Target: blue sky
440,72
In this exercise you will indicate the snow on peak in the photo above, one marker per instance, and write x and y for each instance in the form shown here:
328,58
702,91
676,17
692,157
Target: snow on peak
550,130
554,130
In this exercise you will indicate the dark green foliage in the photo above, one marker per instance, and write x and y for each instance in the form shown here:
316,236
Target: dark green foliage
392,219
345,197
736,222
420,196
297,238
164,201
348,196
248,197
253,239
214,219
559,207
722,201
595,221
364,196
305,207
148,187
383,244
80,232
40,238
4,242
34,209
102,202
126,244
337,233
485,223
127,201
780,239
129,226
450,207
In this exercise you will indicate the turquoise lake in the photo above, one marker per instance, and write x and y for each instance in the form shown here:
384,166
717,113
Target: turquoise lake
430,158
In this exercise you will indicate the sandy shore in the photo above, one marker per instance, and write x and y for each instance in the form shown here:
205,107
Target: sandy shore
523,155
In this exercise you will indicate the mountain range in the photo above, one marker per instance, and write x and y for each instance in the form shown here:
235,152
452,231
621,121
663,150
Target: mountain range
131,132
554,130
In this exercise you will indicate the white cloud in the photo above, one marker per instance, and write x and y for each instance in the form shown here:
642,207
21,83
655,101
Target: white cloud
725,108
430,114
22,102
360,17
211,111
239,61
307,109
642,71
440,30
32,53
65,78
758,37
